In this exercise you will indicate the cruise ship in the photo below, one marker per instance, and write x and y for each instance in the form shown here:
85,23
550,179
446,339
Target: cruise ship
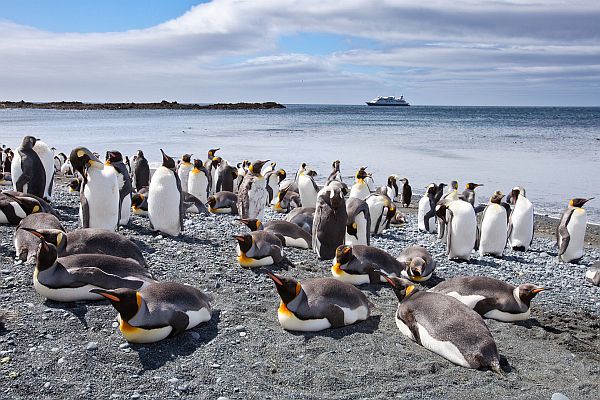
388,101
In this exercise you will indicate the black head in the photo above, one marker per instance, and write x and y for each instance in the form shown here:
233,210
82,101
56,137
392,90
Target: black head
392,180
454,185
168,162
473,186
75,185
216,161
28,142
336,165
244,241
441,186
528,291
431,189
46,254
198,164
343,254
137,200
126,301
81,158
362,173
256,166
311,172
579,202
334,197
253,224
303,165
403,288
514,194
211,153
288,288
140,154
186,158
281,174
497,197
211,201
114,156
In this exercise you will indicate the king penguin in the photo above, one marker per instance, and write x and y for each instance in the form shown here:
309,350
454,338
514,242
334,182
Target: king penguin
25,243
199,182
570,233
426,214
293,235
445,326
461,226
335,174
99,193
358,225
184,169
307,187
329,223
253,195
493,231
418,263
286,200
360,189
261,248
520,225
71,278
141,171
115,159
359,264
223,203
469,195
592,275
32,168
406,193
158,311
274,179
491,298
381,210
319,303
165,199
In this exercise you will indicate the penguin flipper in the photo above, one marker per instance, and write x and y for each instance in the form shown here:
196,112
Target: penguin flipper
285,263
179,322
95,276
335,316
562,234
449,232
23,179
85,208
429,215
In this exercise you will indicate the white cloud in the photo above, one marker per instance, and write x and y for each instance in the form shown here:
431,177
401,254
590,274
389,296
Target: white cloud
190,58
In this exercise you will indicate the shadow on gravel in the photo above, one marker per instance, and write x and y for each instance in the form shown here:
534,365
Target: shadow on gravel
78,309
516,259
155,355
369,326
532,322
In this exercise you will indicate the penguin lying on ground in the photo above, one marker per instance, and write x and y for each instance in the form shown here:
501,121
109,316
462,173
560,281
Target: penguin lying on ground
445,326
223,203
13,209
418,263
491,298
71,278
593,274
361,264
139,202
294,235
318,303
26,244
303,217
261,248
92,241
570,233
286,200
74,186
158,311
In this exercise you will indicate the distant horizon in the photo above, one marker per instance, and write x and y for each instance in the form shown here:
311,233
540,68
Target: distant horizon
464,52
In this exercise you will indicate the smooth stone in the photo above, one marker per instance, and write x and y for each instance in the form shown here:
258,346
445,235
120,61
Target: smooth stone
559,396
91,346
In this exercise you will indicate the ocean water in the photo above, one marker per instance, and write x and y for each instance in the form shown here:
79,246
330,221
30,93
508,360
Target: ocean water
553,152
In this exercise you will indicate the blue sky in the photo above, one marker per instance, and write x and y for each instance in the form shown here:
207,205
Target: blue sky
471,52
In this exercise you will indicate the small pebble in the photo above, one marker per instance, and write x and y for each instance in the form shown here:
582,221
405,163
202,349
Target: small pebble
91,346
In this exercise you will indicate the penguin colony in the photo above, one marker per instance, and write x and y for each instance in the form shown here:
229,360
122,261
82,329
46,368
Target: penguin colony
336,221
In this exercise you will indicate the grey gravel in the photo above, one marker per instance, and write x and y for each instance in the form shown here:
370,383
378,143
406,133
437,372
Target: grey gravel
556,351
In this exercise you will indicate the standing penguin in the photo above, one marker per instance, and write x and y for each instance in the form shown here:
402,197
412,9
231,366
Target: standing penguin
165,199
329,223
381,209
426,213
360,189
445,326
158,311
253,195
99,192
184,169
520,226
32,168
461,228
300,171
335,174
227,175
493,232
570,233
274,179
391,189
115,159
468,194
141,171
319,303
358,226
439,192
406,193
199,182
209,159
491,298
307,187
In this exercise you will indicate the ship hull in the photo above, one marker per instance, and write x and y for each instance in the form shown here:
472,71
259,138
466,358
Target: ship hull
387,105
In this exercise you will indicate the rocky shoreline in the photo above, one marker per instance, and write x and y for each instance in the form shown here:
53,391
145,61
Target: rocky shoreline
163,105
74,350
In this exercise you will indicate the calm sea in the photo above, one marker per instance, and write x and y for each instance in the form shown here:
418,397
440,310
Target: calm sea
553,152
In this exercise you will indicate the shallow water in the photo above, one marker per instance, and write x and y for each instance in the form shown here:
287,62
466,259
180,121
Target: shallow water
553,152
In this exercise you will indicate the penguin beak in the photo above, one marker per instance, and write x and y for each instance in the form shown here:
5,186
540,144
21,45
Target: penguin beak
240,238
387,278
275,278
34,233
540,289
106,294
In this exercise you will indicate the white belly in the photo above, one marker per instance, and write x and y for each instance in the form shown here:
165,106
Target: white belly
423,210
47,158
358,314
308,195
360,190
507,317
494,231
163,202
522,224
470,300
15,170
125,211
576,228
291,323
445,349
422,278
464,230
354,279
102,194
252,262
197,184
139,335
65,294
197,317
296,242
